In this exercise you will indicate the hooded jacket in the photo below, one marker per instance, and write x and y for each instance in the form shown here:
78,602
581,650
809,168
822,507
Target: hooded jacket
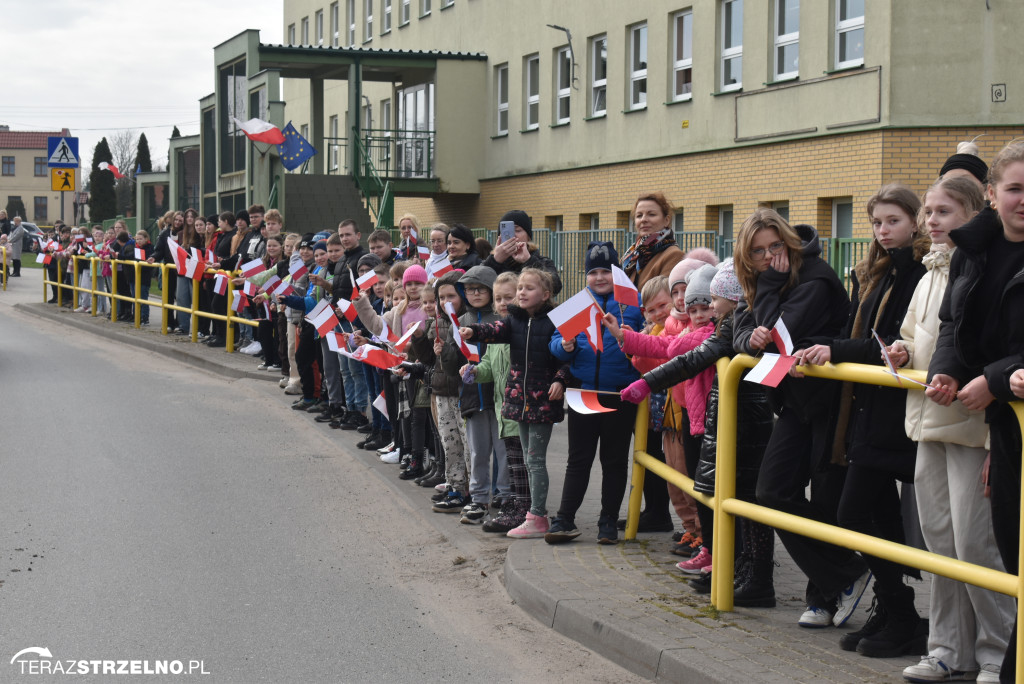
815,311
608,370
440,327
474,397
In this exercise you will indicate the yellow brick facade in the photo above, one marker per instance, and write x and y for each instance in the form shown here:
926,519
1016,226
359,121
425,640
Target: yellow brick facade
808,174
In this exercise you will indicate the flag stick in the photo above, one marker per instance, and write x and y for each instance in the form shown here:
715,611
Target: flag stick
595,301
617,394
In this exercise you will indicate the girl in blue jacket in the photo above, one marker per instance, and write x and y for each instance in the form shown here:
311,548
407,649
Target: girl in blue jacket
607,370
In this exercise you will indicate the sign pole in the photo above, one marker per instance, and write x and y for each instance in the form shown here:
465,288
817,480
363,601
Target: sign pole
62,206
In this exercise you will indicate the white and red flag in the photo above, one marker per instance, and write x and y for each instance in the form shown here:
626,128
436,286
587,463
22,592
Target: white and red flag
381,404
283,288
211,258
470,351
595,331
386,334
107,166
781,338
441,267
250,289
585,401
575,315
178,255
346,309
140,254
375,356
239,302
194,268
335,341
266,310
403,341
220,284
260,131
771,369
366,281
624,289
423,251
322,317
252,268
270,283
297,270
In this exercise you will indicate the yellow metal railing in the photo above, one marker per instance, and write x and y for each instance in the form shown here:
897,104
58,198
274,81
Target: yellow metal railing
165,306
4,251
726,506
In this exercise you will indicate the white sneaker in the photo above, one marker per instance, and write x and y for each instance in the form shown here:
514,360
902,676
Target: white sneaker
849,598
82,309
441,487
931,669
989,673
293,388
387,449
392,457
815,618
284,382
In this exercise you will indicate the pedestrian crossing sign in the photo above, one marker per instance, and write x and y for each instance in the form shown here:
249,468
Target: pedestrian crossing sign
62,180
62,152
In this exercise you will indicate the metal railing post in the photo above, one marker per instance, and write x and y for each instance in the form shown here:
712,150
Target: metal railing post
94,300
135,294
164,313
725,485
636,493
115,304
194,328
229,328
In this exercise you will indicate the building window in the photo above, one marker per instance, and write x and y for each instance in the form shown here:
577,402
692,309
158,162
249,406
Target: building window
563,84
385,24
447,3
591,221
532,92
677,221
849,33
368,21
782,209
234,144
501,85
732,45
842,218
305,30
40,169
638,66
424,7
385,124
403,12
598,75
682,57
8,165
350,22
39,212
332,132
318,27
291,34
335,24
787,39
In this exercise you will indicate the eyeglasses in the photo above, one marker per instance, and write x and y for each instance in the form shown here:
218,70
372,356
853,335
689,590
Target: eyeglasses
475,289
773,249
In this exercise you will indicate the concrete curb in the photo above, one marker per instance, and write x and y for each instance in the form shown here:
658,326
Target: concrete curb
187,355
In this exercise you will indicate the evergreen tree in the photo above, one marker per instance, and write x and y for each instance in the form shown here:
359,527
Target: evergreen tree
142,160
102,198
15,207
175,133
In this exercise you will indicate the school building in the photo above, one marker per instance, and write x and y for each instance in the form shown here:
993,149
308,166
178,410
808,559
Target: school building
458,110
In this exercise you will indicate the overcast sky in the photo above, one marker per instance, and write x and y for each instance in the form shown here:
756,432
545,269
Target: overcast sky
101,66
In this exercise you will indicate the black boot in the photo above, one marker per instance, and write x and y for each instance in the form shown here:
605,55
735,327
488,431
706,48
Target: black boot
372,437
330,413
428,472
874,624
438,476
902,632
415,468
757,590
383,439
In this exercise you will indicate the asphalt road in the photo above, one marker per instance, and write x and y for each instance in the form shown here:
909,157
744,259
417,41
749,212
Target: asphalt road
154,512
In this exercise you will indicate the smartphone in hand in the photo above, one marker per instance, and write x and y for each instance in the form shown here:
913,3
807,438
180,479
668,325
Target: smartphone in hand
507,231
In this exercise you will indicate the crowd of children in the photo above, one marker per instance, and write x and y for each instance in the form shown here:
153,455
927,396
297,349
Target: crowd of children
467,403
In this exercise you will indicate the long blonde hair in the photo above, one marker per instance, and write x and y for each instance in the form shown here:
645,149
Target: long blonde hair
764,218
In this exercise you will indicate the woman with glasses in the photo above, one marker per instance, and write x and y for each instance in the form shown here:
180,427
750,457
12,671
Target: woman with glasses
784,277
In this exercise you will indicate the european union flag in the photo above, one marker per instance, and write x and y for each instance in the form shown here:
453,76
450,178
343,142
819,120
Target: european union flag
295,149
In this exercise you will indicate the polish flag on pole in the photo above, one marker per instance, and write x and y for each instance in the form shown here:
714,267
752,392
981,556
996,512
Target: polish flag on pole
335,341
140,254
250,289
270,284
595,331
377,357
440,268
423,251
194,268
355,285
178,255
403,341
347,309
574,315
781,338
367,280
211,258
239,302
107,166
260,131
386,333
322,317
297,270
266,310
585,401
381,404
252,268
625,290
220,284
470,351
283,289
771,369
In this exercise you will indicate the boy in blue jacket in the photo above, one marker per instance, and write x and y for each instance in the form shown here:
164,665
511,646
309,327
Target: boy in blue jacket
607,434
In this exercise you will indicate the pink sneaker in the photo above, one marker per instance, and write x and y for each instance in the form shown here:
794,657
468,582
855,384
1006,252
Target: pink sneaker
536,526
695,565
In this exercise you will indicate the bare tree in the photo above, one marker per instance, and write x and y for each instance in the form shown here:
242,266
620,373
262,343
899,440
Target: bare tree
123,148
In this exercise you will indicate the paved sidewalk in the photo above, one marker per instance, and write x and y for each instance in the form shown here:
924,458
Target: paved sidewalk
626,601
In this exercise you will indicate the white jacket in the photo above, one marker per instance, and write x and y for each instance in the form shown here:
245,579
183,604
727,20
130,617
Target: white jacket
927,421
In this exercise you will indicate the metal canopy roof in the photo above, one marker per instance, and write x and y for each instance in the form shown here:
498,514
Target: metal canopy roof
334,63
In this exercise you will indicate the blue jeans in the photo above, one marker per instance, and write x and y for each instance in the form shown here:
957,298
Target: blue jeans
373,389
145,307
183,295
355,384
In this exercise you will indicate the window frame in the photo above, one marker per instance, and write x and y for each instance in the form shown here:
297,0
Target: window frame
40,164
501,108
637,73
598,85
318,27
304,31
350,23
11,162
385,13
728,54
836,202
335,24
784,40
37,216
844,26
332,132
531,88
424,8
367,20
404,12
679,63
563,95
291,34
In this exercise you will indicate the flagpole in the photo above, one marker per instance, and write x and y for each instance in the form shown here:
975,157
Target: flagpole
617,394
595,301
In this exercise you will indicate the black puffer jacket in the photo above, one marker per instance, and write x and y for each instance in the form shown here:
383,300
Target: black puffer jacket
473,397
875,434
441,383
959,351
533,368
815,312
754,415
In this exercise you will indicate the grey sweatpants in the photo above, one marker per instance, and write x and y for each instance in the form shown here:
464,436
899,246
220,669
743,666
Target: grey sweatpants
482,434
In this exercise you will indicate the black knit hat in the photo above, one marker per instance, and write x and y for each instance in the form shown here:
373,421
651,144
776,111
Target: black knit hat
307,241
601,255
970,163
242,215
521,219
371,260
461,232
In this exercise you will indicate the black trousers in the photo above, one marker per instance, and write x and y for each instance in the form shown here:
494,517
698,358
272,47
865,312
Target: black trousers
1004,476
205,296
170,286
306,356
606,436
795,456
266,334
